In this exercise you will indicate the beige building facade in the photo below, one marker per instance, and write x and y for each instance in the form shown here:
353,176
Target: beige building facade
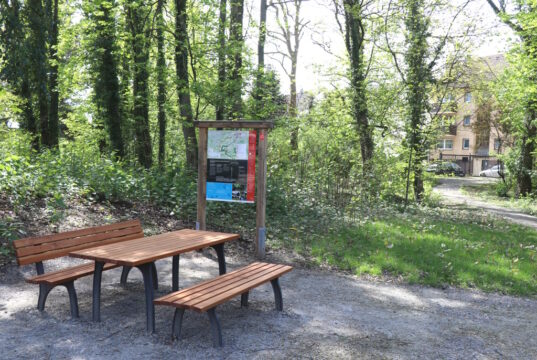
459,140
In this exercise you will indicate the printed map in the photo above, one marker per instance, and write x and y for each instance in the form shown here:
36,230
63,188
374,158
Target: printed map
232,145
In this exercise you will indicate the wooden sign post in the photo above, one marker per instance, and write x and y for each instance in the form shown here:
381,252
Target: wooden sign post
261,178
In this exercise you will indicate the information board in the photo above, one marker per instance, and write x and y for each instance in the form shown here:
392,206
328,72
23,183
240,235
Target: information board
231,166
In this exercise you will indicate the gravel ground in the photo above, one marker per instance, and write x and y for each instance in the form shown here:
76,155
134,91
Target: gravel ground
326,316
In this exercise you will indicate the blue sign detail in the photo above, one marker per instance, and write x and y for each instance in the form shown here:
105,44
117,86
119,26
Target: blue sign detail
219,191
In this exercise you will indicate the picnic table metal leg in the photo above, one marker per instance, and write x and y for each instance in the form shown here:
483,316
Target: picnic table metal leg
215,328
155,276
277,294
125,275
175,273
177,323
97,290
147,272
221,258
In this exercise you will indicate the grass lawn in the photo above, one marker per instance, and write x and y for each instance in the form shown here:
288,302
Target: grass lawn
488,193
436,250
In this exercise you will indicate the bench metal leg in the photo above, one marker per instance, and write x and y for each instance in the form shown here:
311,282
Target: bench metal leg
175,273
244,299
215,328
147,272
177,323
44,289
72,298
97,290
221,258
277,294
125,275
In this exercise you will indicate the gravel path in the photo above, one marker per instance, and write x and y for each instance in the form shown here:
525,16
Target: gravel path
450,190
326,316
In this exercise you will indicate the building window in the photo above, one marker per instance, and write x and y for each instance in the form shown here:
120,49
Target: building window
465,144
448,98
467,120
468,97
445,144
497,144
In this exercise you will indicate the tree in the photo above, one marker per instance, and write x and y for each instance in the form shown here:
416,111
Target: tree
236,42
138,15
16,69
105,79
354,42
161,83
53,116
37,20
421,55
291,29
183,84
221,96
523,22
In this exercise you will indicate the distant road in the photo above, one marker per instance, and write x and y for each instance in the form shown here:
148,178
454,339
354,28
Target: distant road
450,190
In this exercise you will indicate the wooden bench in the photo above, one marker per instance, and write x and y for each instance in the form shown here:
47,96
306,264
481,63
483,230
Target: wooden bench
38,249
204,297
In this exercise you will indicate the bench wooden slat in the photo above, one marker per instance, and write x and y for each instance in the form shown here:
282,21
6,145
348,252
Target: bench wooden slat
206,284
32,250
74,233
71,242
65,275
198,295
237,290
209,294
59,253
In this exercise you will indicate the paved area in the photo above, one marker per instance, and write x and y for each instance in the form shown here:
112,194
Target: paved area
326,316
450,190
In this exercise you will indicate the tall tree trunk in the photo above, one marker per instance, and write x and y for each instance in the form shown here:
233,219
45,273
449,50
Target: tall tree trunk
293,102
262,37
161,79
137,12
417,76
221,96
527,149
183,84
53,118
354,40
237,43
38,48
106,82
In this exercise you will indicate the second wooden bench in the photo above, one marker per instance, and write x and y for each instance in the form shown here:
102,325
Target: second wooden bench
204,297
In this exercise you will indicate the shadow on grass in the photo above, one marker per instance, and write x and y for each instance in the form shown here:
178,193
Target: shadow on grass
437,253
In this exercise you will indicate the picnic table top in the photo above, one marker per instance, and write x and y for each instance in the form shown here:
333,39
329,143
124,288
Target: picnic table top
147,249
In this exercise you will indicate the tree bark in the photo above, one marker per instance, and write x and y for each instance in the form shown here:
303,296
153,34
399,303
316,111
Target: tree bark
221,97
417,77
237,43
354,41
137,17
183,84
38,49
53,117
106,82
161,79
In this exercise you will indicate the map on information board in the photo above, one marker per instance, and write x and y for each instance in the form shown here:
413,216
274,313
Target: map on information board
231,145
231,166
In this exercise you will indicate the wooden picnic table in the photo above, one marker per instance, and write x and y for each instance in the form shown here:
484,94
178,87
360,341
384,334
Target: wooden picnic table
143,252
